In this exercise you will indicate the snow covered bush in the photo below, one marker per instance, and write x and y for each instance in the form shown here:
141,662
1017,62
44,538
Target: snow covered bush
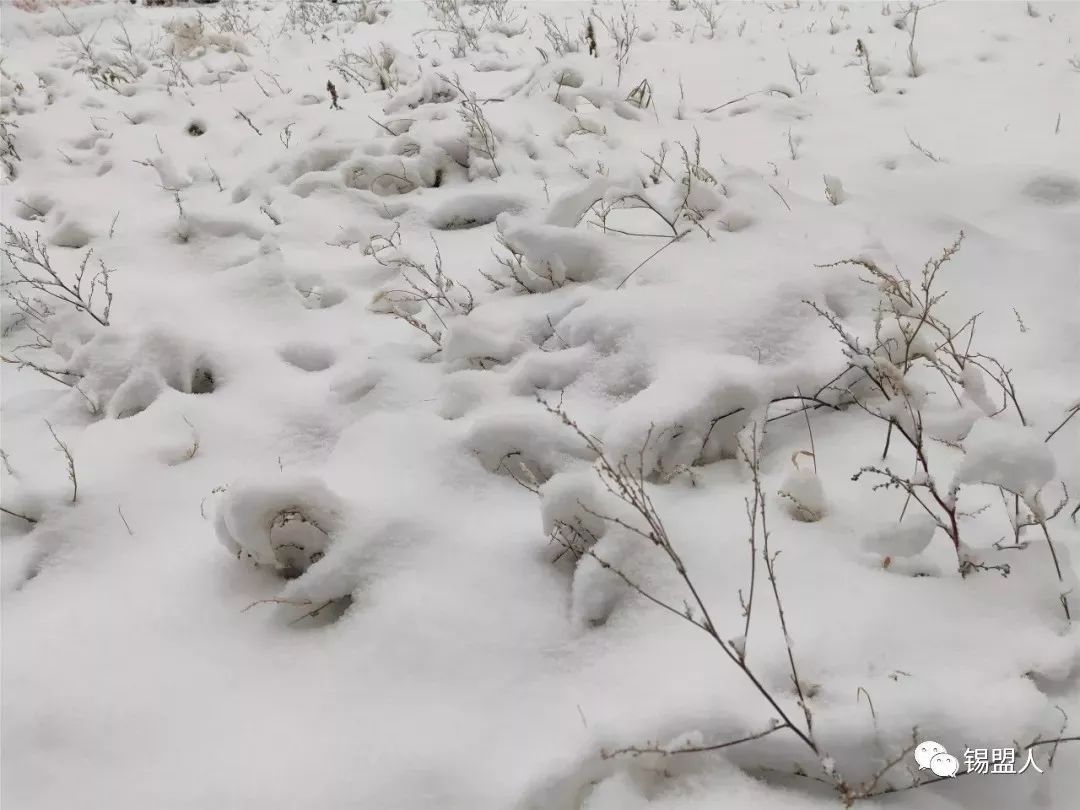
805,495
524,445
417,288
480,139
190,39
834,189
10,89
398,166
38,6
45,298
570,510
373,69
542,256
889,376
9,154
428,89
283,523
665,434
314,19
449,19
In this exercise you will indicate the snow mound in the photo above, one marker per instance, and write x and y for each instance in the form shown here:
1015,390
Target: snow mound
123,374
570,505
526,443
691,413
906,539
804,495
557,255
1012,457
285,523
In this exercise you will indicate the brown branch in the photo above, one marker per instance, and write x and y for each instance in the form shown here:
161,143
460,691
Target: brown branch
650,257
18,515
1072,411
691,749
628,485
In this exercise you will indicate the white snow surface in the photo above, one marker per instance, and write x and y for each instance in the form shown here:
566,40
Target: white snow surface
269,378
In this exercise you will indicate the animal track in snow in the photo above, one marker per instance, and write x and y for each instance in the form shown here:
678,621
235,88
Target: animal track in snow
1053,189
307,356
472,211
317,295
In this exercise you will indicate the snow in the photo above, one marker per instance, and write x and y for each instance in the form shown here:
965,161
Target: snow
906,539
285,523
804,495
368,370
1012,457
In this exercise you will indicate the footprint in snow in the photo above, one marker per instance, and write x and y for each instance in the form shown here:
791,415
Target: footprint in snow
316,294
1053,189
307,356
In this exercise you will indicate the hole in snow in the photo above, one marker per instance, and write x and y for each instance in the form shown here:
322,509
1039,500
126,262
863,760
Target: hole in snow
202,381
569,77
33,206
1053,189
317,295
472,211
308,357
70,234
134,410
298,542
196,128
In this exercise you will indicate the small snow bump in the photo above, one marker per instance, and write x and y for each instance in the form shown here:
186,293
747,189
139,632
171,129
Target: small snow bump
905,539
1012,457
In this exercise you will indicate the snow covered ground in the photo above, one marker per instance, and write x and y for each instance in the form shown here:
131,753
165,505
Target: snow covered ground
420,352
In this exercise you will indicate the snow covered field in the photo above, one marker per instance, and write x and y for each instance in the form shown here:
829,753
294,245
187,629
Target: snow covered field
430,405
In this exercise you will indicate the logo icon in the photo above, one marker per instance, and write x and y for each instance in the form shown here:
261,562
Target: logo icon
933,756
925,751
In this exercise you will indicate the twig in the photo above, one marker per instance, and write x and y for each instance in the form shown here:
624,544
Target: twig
776,191
810,432
1072,411
864,52
777,90
247,120
278,601
126,524
920,148
312,613
384,126
63,448
22,251
18,515
770,567
651,256
692,749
